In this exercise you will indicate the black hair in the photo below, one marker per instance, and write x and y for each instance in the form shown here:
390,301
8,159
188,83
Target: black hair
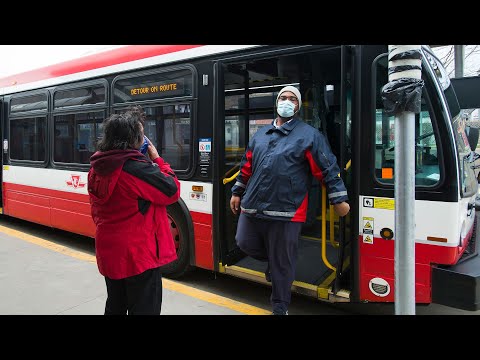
122,131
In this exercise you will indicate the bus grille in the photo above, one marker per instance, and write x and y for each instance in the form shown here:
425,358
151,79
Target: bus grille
379,289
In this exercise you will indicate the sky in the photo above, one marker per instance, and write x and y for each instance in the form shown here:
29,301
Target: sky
19,58
471,66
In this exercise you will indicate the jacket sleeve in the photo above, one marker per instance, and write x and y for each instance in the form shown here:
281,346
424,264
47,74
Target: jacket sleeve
324,167
155,182
245,172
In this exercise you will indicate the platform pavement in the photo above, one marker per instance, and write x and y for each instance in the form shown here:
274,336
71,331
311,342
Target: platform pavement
39,277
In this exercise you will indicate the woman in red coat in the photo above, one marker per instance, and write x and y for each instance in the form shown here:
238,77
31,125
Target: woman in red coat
129,193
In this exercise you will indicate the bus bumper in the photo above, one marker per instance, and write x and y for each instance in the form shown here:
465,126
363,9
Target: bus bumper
458,286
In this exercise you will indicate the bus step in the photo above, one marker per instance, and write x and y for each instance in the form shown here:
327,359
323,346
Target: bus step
341,295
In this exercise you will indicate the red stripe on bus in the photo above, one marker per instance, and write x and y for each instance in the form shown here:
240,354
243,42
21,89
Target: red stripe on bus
71,212
377,260
59,209
94,61
202,226
46,192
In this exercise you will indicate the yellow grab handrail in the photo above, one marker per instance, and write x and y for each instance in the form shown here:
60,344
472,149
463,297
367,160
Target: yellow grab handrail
332,227
349,163
227,180
324,230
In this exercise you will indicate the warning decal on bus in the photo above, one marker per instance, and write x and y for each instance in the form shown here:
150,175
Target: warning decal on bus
384,203
368,239
368,225
368,202
368,230
205,145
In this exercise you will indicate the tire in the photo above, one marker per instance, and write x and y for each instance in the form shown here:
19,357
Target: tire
179,229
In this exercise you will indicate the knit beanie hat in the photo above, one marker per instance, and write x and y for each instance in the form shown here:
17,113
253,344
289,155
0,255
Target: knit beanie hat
294,90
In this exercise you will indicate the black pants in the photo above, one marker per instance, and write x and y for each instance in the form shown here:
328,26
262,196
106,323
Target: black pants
136,295
275,242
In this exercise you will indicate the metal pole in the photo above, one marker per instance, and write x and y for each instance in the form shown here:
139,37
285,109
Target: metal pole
405,214
404,101
459,60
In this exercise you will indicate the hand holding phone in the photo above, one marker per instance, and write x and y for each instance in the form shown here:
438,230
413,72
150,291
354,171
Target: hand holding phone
144,148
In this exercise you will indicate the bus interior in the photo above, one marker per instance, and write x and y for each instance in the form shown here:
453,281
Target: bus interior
251,87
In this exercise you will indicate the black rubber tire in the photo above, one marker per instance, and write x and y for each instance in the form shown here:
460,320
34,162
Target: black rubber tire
180,233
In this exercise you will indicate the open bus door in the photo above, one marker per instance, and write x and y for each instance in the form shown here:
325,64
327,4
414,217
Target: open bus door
344,161
250,86
234,146
325,243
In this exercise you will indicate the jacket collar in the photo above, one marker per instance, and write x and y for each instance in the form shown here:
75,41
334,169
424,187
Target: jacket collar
285,128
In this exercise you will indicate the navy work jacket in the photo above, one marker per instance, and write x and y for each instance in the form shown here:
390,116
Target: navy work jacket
277,168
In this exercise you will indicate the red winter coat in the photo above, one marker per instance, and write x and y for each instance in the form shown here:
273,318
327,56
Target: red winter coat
129,194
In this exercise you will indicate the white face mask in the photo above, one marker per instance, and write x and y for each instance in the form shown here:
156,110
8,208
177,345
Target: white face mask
285,108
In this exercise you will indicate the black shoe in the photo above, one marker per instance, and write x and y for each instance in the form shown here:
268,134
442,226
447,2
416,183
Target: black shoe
280,313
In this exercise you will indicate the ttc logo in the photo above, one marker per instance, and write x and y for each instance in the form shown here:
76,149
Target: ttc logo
75,182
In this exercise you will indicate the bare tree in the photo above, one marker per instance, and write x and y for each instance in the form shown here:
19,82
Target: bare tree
471,61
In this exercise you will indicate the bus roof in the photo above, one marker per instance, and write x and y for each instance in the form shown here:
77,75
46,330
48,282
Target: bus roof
108,61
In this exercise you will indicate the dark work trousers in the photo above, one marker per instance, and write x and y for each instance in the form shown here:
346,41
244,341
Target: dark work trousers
136,295
276,242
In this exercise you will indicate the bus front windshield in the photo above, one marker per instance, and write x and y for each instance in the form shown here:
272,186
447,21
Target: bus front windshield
467,176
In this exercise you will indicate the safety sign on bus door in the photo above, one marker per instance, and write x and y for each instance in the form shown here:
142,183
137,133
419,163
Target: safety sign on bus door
205,145
205,149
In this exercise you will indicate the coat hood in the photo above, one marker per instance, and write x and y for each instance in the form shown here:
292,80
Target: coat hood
105,170
107,162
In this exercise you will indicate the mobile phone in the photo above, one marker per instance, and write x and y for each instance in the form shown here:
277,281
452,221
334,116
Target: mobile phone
144,148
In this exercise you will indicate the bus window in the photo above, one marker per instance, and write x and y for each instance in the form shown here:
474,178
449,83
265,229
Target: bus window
90,95
467,175
468,181
28,125
427,167
234,147
76,136
259,113
27,138
169,128
28,103
153,86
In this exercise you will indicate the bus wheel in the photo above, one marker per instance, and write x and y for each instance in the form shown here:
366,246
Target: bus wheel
179,229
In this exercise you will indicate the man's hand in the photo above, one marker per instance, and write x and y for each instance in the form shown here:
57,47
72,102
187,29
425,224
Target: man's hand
341,209
235,203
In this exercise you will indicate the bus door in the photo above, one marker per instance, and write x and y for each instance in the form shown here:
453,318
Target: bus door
324,250
342,281
250,86
234,139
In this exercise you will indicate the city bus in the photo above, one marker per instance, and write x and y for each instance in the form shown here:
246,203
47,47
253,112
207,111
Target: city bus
203,104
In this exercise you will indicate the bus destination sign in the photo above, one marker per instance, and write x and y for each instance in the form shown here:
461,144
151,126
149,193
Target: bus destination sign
156,89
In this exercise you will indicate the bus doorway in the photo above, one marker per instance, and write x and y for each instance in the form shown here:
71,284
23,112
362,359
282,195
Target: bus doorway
251,85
